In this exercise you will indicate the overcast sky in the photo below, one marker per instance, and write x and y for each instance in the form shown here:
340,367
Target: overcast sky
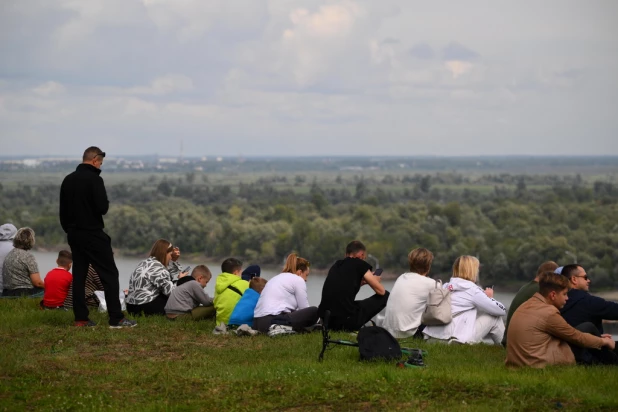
232,77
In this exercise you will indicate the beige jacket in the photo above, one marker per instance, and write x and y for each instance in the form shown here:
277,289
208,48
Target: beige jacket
538,336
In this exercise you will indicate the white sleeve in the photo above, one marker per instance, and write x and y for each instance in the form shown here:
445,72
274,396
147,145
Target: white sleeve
486,304
300,292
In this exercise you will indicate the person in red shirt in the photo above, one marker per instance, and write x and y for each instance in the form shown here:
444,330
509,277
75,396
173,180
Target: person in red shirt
58,281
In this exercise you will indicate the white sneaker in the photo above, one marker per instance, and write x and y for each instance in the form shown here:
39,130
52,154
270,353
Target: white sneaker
276,330
220,329
245,330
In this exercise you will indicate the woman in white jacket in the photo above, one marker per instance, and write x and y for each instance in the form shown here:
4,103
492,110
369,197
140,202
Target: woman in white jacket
477,316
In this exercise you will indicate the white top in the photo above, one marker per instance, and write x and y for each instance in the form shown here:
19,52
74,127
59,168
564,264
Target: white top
466,299
406,304
284,293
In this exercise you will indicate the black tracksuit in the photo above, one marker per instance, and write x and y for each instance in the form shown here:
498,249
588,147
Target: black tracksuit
83,202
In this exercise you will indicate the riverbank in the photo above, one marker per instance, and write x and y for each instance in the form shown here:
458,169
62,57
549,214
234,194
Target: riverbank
45,364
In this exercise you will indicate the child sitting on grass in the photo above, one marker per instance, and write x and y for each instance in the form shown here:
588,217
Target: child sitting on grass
57,282
189,300
243,312
229,288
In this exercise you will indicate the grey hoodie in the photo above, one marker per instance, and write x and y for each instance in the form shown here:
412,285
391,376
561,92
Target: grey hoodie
7,233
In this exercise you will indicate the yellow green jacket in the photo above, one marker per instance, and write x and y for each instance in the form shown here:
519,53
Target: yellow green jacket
225,298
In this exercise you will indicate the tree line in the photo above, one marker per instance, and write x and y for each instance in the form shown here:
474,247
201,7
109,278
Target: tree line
511,226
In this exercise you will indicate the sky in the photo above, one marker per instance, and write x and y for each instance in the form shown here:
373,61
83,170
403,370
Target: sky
309,77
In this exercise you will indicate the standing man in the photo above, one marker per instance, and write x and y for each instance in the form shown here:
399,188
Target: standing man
343,282
83,202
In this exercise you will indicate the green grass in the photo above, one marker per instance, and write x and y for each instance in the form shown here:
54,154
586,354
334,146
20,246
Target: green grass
45,364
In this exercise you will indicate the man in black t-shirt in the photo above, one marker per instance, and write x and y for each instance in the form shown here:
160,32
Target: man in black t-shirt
342,284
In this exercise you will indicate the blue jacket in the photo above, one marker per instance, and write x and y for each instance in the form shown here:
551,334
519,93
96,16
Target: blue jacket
243,312
583,307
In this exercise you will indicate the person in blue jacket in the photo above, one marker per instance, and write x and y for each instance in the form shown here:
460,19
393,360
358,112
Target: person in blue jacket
586,312
243,311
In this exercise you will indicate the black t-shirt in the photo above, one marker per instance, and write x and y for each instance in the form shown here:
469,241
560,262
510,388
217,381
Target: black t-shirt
341,286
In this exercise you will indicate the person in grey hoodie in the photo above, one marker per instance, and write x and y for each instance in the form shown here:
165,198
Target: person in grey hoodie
189,300
477,316
7,234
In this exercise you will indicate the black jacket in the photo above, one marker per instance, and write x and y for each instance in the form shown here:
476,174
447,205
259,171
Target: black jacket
83,199
583,307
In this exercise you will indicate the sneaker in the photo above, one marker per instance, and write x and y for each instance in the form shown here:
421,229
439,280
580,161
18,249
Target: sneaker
124,323
245,330
84,323
276,330
220,329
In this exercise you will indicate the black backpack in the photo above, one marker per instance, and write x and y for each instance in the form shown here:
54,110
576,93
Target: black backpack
375,343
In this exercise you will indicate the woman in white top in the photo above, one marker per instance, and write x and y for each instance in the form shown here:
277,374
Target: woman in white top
477,317
408,298
284,299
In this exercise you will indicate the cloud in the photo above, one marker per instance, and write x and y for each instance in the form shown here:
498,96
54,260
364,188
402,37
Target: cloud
421,51
49,88
458,68
458,52
164,85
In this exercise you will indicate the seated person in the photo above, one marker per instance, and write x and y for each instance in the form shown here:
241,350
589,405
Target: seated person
243,312
477,317
586,312
151,283
539,336
229,288
93,284
58,281
189,300
408,299
343,282
284,299
251,272
526,292
20,271
7,234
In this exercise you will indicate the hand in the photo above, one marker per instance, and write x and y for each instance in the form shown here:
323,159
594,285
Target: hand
363,282
126,292
175,254
606,335
182,275
489,292
609,342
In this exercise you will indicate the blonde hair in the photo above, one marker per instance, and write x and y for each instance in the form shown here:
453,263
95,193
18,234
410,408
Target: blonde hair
466,267
294,263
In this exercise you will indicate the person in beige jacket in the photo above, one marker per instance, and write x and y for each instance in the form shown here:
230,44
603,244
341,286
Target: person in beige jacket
539,336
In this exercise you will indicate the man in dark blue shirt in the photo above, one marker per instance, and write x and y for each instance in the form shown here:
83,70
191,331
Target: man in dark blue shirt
586,312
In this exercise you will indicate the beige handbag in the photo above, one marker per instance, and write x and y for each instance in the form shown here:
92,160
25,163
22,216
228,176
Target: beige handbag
438,310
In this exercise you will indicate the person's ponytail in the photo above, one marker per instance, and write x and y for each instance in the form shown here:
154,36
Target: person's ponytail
290,263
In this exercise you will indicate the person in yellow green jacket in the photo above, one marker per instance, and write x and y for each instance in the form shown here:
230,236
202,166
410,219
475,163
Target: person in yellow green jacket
229,288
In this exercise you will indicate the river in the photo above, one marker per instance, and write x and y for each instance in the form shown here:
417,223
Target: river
126,265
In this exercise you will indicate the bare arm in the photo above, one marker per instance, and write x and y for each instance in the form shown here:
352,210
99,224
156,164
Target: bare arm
374,282
36,280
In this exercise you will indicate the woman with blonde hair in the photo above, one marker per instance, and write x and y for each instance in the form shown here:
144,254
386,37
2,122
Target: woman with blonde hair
151,282
20,270
283,305
477,317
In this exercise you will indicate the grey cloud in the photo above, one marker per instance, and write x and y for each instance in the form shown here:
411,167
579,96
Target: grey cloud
390,40
422,51
456,51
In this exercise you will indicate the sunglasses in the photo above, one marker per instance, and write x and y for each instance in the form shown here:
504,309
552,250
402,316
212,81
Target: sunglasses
585,277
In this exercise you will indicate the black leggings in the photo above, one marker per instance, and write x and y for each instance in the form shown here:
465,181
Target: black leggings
156,307
298,320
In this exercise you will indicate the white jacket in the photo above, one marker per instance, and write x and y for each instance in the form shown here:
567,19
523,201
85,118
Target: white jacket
466,299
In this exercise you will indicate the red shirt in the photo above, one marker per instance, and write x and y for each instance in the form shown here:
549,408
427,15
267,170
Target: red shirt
57,283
